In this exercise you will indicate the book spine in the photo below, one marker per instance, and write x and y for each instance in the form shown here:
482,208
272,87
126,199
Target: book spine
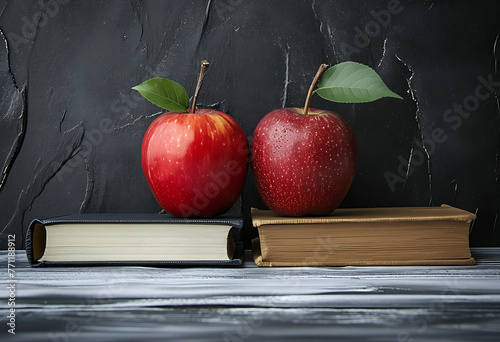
29,243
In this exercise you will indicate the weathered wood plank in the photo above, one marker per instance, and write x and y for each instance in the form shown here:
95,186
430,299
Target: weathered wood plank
251,303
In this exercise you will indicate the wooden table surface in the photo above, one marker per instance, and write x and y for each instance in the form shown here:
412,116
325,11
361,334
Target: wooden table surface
254,304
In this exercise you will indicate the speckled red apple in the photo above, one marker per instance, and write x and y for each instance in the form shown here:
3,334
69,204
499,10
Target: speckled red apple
304,160
195,162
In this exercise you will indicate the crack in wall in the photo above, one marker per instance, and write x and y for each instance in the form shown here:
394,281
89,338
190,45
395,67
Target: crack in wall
70,146
419,132
216,105
408,167
206,18
286,82
9,66
89,189
15,148
207,15
384,51
455,191
316,16
473,222
16,98
142,117
62,119
3,8
331,36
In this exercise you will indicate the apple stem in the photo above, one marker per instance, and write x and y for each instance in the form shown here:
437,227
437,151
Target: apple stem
204,67
320,71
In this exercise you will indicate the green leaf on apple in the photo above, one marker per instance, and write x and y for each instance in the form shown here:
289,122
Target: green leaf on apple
351,82
165,93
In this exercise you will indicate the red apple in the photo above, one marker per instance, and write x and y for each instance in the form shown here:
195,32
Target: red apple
195,163
304,160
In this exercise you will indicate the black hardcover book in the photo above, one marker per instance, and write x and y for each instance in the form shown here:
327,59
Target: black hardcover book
134,239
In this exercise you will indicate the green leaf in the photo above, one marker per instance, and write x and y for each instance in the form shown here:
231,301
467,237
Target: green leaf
165,93
351,82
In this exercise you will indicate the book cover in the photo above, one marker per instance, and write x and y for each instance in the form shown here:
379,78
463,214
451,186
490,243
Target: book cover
364,237
36,238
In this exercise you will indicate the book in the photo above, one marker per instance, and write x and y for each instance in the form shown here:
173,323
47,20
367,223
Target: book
364,237
134,239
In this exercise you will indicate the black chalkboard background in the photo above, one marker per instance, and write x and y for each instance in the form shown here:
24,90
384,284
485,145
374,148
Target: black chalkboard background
71,127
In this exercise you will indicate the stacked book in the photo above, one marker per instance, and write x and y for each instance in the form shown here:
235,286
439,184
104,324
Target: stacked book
365,237
356,237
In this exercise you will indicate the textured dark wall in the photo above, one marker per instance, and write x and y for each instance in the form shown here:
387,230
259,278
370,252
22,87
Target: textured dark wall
71,127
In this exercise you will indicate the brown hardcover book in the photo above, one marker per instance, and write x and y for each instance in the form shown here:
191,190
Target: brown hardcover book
365,237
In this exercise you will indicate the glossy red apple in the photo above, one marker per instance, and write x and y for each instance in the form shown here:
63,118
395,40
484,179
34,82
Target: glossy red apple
195,163
304,160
